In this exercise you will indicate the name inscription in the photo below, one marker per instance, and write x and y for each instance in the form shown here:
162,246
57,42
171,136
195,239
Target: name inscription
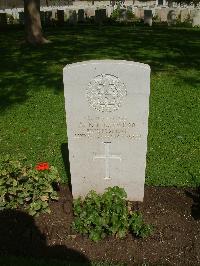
106,128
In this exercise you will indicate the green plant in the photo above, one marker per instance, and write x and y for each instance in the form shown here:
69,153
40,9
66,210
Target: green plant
25,187
130,15
119,14
138,227
10,19
116,14
156,18
107,214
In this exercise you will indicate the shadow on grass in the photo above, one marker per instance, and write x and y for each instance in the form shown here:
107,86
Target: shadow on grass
20,237
26,69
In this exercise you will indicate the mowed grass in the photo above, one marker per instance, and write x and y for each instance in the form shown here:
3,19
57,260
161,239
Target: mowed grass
32,100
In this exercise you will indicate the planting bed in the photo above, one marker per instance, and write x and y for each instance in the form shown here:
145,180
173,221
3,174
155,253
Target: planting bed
176,239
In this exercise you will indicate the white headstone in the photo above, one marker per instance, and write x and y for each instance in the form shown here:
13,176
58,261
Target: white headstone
107,104
196,20
54,14
109,10
72,17
139,12
148,15
171,17
90,12
184,14
163,14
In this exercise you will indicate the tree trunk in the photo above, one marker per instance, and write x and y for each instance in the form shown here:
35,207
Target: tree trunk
33,26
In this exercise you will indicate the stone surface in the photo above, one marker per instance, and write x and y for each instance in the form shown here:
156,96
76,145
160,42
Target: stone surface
72,17
148,15
171,17
90,12
193,13
162,14
139,13
60,16
196,20
100,16
185,14
48,17
109,10
81,15
21,18
3,19
106,104
54,14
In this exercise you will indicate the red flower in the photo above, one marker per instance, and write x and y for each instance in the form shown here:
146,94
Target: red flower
42,166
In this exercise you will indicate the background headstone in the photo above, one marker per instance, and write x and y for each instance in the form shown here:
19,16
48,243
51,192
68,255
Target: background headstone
171,17
60,16
72,17
81,15
184,15
109,11
90,12
21,18
3,19
100,16
139,13
42,17
163,14
48,17
66,14
148,15
123,16
193,13
196,20
107,104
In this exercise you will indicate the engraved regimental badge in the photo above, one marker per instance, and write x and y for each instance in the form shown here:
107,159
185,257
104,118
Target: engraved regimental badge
105,93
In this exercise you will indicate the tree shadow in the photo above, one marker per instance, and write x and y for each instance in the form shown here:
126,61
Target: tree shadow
21,237
195,209
66,162
25,70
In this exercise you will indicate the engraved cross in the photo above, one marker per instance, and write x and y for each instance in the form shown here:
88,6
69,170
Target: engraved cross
107,156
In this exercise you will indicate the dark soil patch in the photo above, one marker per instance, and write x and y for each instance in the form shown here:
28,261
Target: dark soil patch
176,240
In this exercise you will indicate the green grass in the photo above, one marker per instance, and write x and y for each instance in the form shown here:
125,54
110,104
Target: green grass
32,101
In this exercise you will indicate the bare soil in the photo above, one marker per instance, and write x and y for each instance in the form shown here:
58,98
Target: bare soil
175,213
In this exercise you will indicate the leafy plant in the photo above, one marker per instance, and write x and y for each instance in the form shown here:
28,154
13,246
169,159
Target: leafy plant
25,187
130,15
116,14
108,214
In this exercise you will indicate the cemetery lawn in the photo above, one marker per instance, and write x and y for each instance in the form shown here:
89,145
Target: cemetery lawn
33,124
32,101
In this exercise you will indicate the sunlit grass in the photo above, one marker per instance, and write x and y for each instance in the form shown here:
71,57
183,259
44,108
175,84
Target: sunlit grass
32,100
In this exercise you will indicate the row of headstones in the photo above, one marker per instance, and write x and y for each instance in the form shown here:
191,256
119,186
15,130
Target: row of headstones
100,15
170,16
61,16
72,16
